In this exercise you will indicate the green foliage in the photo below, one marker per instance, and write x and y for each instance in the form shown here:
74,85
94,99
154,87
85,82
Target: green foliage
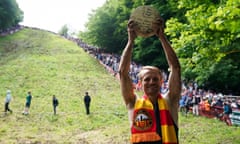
149,54
64,31
208,42
10,14
105,27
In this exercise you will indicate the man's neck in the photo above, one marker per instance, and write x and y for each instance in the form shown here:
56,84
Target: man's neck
153,98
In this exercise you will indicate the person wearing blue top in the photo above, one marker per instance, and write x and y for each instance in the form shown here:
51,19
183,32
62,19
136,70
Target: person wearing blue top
227,110
182,104
28,103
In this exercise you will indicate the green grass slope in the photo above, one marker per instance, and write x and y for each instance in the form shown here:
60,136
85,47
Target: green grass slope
47,64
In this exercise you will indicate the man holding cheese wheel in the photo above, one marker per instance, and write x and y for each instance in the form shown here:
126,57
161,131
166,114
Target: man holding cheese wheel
153,117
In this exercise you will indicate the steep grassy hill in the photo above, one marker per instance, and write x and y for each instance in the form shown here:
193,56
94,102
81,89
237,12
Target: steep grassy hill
47,64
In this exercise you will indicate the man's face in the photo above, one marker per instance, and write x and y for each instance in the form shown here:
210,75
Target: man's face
151,83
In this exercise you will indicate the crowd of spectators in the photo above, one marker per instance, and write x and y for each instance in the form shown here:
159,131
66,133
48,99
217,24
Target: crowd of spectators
211,98
11,30
207,103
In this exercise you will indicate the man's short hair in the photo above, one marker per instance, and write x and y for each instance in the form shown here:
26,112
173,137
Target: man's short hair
148,68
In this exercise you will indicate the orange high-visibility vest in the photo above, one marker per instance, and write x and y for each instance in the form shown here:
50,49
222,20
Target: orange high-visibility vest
207,106
144,123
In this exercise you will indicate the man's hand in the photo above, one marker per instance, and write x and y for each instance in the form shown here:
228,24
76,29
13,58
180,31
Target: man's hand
158,26
131,32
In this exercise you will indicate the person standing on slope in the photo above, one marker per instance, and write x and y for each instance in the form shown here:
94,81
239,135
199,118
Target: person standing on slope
28,103
55,104
87,101
7,102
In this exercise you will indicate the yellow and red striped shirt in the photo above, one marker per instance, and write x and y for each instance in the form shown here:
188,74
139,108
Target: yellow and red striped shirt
144,125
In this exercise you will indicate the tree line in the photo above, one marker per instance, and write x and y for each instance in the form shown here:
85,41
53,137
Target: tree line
205,35
10,14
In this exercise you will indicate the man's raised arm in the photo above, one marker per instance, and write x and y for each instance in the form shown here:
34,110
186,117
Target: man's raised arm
174,80
124,66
